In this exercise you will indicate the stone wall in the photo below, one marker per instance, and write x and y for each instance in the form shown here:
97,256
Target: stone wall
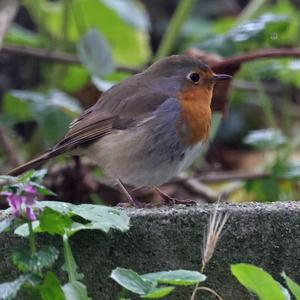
171,238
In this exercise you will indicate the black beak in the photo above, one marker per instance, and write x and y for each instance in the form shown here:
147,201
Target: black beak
219,77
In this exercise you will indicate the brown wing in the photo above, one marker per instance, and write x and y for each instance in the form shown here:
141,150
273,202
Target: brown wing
118,108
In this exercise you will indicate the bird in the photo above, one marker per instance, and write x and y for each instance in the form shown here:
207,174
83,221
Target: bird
146,129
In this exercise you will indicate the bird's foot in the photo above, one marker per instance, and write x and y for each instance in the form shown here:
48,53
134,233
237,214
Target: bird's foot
173,201
131,201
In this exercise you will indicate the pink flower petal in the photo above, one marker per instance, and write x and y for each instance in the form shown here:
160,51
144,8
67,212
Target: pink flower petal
30,213
30,189
15,202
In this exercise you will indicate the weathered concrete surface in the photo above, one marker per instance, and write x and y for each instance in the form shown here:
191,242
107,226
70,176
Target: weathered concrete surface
171,238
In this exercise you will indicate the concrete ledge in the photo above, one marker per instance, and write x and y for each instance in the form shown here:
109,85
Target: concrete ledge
171,238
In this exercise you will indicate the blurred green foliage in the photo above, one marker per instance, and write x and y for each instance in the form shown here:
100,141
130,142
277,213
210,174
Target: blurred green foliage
66,21
52,107
106,34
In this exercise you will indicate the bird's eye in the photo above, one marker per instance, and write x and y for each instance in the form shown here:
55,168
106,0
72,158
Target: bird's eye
195,77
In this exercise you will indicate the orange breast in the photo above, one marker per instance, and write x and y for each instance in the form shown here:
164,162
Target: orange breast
196,113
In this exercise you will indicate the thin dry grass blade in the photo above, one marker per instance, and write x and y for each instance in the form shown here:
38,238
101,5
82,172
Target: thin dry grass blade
212,234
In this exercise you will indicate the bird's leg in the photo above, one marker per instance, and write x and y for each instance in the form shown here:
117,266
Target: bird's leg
130,199
171,200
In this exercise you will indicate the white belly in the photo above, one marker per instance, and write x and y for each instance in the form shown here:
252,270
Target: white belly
122,155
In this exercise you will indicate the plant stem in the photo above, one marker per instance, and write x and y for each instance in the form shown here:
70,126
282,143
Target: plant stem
69,259
250,10
182,11
266,104
31,238
64,25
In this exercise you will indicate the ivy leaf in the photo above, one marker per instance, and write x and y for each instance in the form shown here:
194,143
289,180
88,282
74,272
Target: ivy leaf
51,288
54,222
75,290
9,290
35,263
258,281
95,53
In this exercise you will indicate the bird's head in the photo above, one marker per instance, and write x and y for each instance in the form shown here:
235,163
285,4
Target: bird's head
186,77
191,81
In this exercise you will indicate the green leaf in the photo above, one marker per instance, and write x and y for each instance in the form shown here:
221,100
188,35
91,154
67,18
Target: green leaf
101,84
75,78
265,138
51,288
8,178
290,172
5,223
131,12
61,207
130,45
9,290
43,190
258,281
160,292
102,217
23,230
292,285
18,35
56,218
75,290
131,281
54,222
262,32
53,111
35,175
95,53
265,189
177,277
35,263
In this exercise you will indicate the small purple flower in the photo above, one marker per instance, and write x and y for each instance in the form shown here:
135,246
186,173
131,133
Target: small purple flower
15,202
30,200
30,213
30,194
27,199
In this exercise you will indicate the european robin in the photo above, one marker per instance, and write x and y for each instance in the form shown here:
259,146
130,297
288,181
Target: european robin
146,129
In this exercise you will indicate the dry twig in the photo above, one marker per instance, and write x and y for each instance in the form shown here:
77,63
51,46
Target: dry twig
204,288
54,56
195,186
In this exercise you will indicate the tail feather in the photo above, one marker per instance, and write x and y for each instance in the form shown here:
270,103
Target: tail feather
34,163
